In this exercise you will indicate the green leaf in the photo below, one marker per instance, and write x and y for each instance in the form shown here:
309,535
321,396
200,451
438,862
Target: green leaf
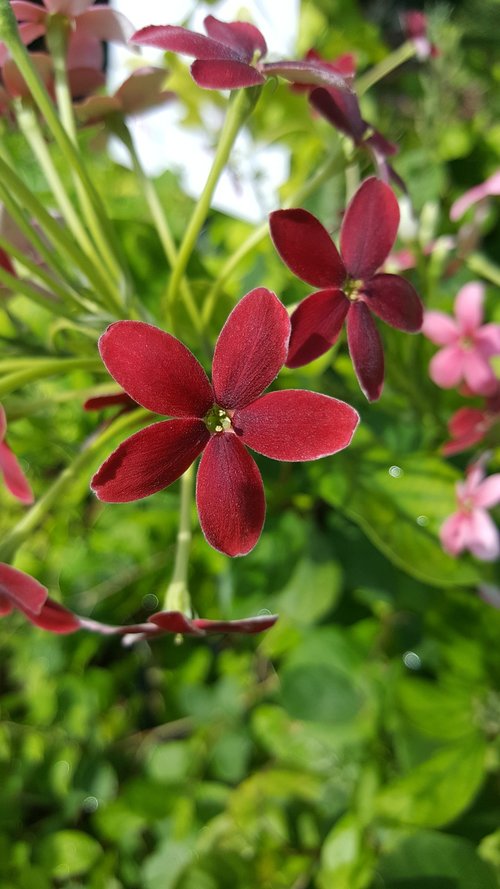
435,861
68,853
439,712
347,862
439,789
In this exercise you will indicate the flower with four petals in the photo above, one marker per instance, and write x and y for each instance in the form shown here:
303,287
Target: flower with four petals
350,286
13,476
471,527
219,419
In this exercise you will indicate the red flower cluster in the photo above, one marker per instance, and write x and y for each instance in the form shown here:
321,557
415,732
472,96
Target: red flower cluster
220,419
351,287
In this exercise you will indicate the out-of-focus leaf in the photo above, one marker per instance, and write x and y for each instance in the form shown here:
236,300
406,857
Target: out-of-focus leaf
435,861
438,711
68,853
347,861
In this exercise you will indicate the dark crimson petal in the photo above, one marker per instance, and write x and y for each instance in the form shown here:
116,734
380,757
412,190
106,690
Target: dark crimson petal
22,590
366,351
175,622
369,228
306,248
242,36
174,39
316,324
150,460
230,496
247,625
396,301
156,369
99,402
296,425
225,75
304,71
251,348
382,145
341,110
6,606
13,476
56,618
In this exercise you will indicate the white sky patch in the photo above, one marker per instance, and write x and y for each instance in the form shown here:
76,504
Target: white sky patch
248,189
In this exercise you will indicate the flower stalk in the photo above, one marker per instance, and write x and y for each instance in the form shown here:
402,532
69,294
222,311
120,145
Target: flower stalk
177,597
402,54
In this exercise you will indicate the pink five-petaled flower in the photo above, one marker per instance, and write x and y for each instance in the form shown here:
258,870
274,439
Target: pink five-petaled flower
229,58
13,476
471,527
352,289
468,344
20,591
162,375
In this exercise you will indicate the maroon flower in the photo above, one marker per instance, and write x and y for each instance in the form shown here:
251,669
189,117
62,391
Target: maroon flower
229,58
162,375
344,64
13,476
352,289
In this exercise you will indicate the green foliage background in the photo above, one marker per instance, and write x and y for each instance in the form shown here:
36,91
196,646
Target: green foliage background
356,744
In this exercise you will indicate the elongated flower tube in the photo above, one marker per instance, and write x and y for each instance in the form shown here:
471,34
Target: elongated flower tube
219,419
351,288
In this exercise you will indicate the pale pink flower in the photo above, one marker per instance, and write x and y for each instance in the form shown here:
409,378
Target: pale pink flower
489,188
471,527
468,344
13,476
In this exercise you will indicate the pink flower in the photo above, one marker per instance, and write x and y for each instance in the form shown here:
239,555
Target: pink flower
471,527
13,476
82,81
229,58
468,344
352,288
489,188
470,425
162,375
20,591
89,27
141,91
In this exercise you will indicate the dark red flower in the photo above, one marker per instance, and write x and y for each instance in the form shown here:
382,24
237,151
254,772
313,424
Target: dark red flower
352,289
114,399
163,376
414,24
13,476
344,64
230,57
470,425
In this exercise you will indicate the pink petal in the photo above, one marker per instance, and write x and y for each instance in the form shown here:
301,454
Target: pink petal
230,496
469,308
455,532
83,81
366,350
316,325
71,8
247,626
342,110
28,12
150,460
487,493
484,540
306,248
174,39
251,348
224,75
296,425
478,374
490,187
309,72
369,228
439,328
156,369
55,618
143,89
245,38
84,50
105,24
466,420
14,478
22,590
175,622
395,301
15,83
487,340
446,368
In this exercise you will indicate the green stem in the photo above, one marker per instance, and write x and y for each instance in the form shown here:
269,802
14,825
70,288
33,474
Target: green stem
481,265
402,54
332,167
33,518
177,597
240,107
46,367
40,296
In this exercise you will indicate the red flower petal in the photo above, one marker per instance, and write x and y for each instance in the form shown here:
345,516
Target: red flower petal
156,369
369,228
341,109
150,460
175,622
251,348
304,71
21,590
174,39
247,625
6,606
230,496
99,402
296,425
396,301
366,351
316,324
306,247
245,38
56,618
14,478
224,75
